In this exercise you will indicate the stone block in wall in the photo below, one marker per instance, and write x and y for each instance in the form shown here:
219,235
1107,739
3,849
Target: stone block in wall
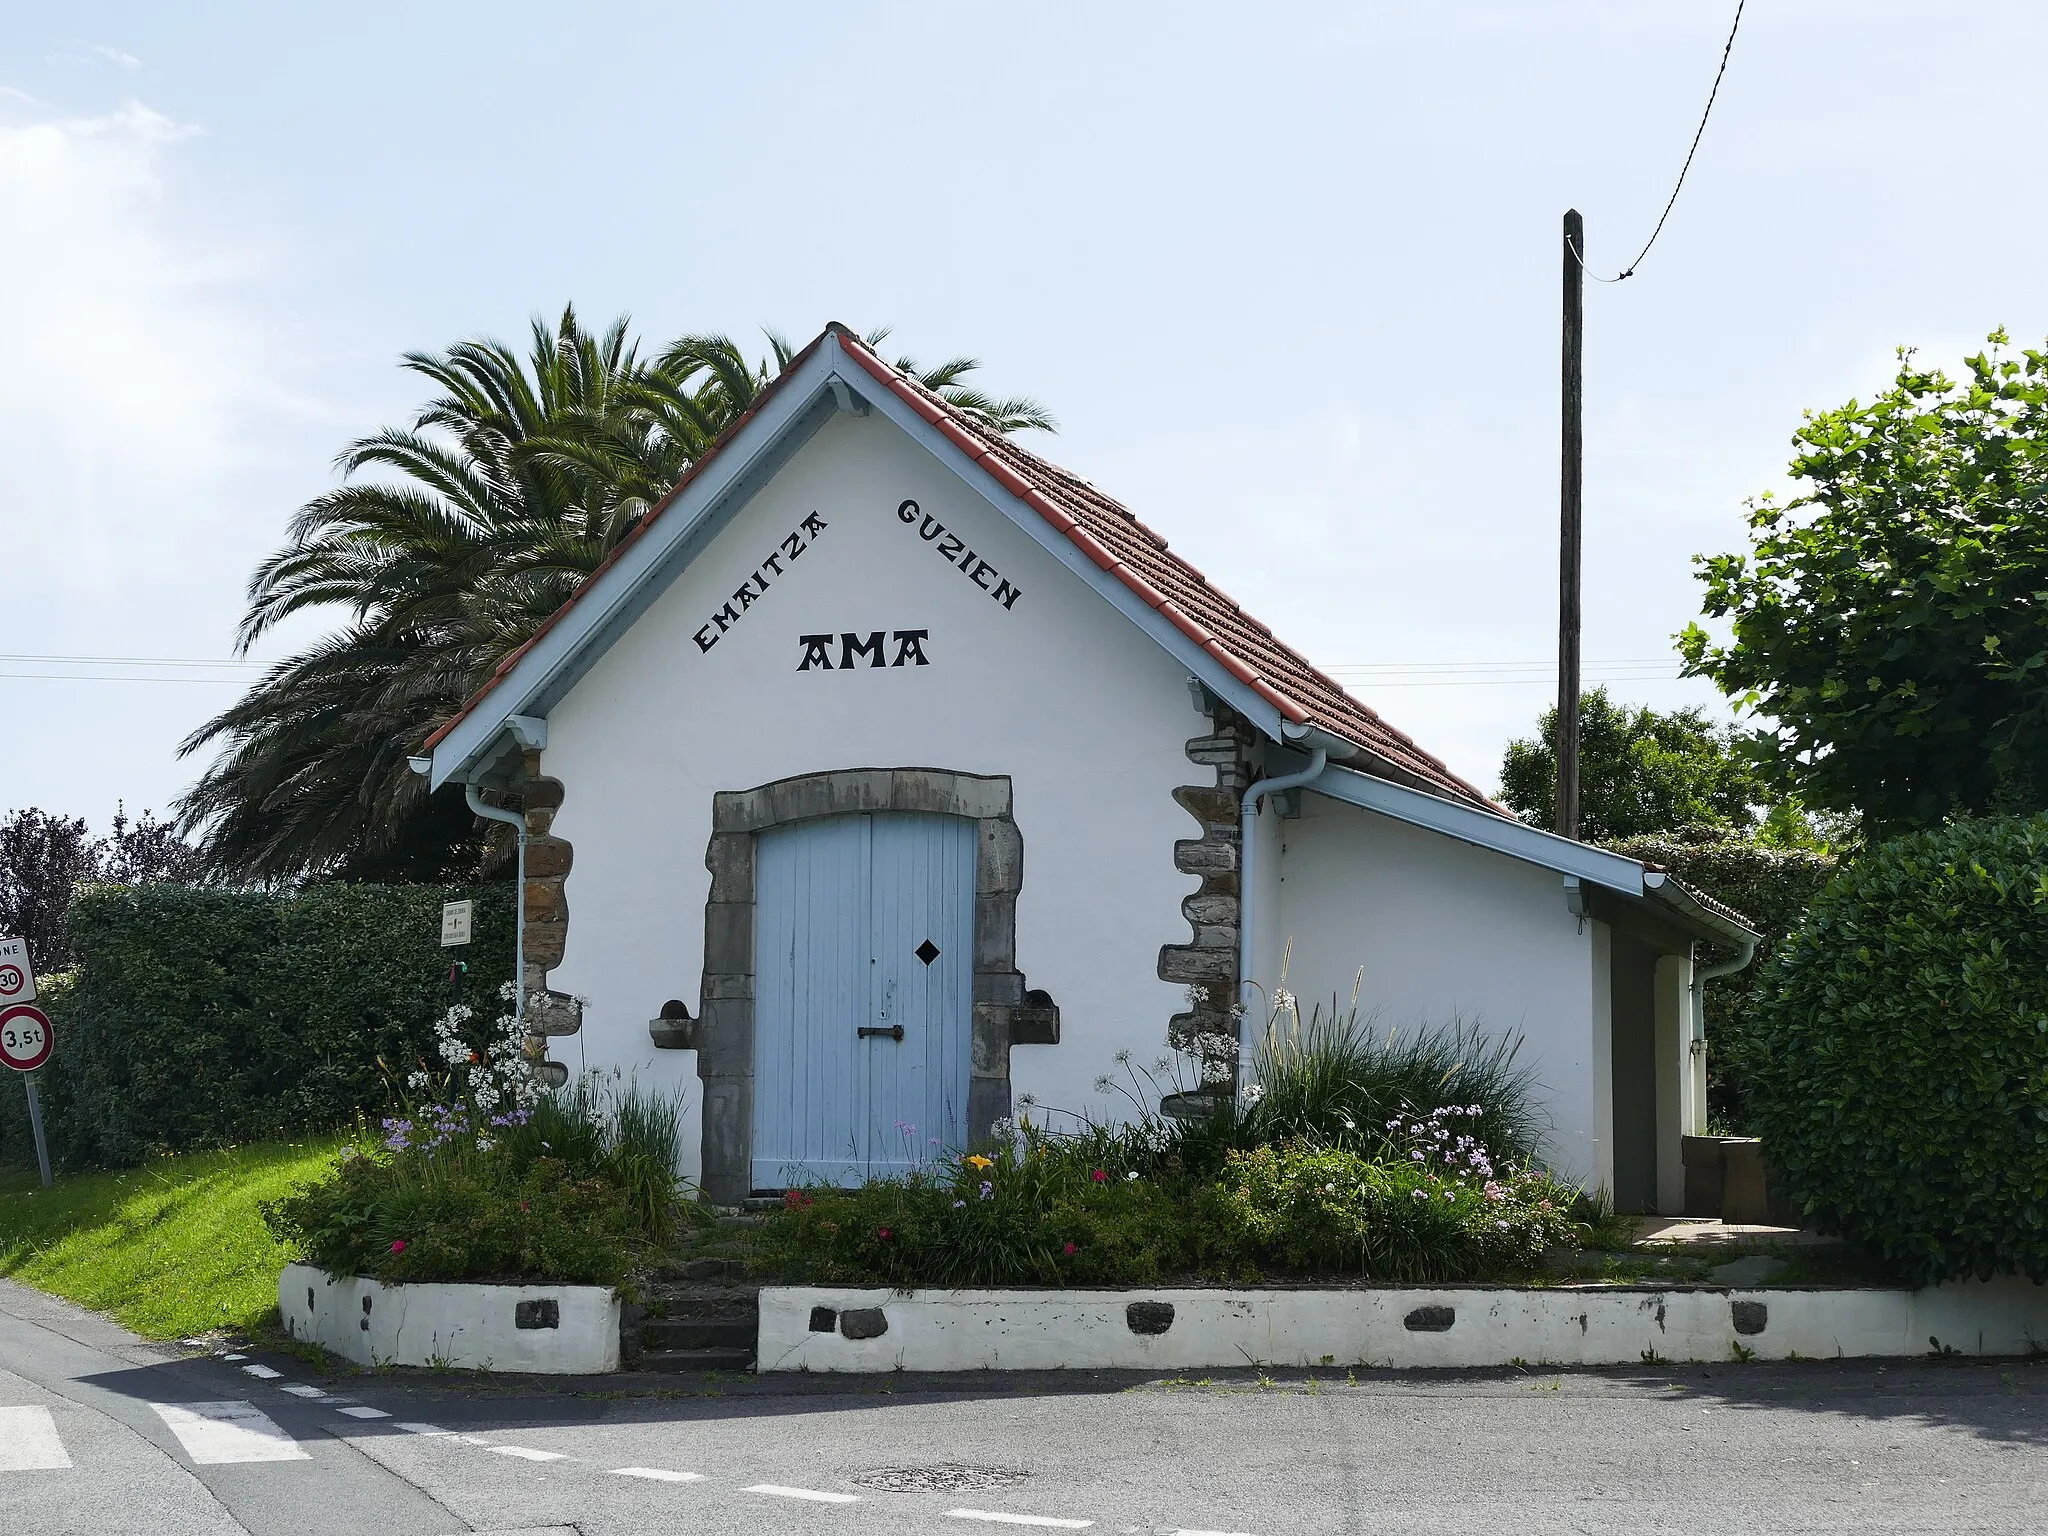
1214,806
991,1039
546,943
1200,856
730,858
1214,908
1190,966
1000,866
548,858
995,932
729,935
546,902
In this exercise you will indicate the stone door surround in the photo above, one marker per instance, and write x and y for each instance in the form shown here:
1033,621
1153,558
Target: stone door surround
723,1033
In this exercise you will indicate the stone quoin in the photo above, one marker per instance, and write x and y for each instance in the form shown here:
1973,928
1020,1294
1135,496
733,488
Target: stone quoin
1019,842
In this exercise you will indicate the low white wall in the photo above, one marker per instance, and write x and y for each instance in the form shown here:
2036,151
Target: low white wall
473,1327
1046,1330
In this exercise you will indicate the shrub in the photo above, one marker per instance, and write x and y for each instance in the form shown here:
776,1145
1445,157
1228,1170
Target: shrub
572,1190
1330,1210
1904,1101
1036,1210
1338,1079
1772,887
1108,1207
206,1018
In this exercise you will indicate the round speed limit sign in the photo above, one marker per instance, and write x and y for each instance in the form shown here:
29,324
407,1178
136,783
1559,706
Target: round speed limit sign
25,1037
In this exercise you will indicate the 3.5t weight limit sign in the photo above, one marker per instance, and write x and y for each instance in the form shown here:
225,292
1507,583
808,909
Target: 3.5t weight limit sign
25,1037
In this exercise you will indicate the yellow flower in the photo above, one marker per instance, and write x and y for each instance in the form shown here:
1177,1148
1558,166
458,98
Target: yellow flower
978,1161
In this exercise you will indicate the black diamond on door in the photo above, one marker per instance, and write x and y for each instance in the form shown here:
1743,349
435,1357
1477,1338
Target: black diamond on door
927,951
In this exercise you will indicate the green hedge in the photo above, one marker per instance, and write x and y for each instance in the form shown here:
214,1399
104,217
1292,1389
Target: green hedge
1772,888
201,1018
1905,1102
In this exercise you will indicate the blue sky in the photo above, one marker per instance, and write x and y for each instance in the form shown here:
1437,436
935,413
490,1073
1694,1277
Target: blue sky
1287,275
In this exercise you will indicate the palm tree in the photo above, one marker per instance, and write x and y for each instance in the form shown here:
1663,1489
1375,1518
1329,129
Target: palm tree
470,527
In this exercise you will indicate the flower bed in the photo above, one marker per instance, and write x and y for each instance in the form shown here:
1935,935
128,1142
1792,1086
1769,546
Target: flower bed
1121,1207
489,1176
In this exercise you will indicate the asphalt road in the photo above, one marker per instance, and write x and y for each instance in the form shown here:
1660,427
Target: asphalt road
103,1433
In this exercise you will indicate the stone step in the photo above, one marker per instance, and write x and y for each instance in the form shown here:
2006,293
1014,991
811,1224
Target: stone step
672,1333
696,1360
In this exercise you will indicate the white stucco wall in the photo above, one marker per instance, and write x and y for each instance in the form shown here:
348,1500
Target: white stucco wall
1087,716
1446,931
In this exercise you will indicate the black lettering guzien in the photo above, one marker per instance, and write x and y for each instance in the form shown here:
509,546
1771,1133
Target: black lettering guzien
953,550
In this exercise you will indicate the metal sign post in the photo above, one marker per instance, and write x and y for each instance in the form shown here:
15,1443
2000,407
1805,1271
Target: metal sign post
26,1038
458,920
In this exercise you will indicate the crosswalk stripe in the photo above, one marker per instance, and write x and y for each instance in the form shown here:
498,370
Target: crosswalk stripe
262,1372
813,1494
658,1474
28,1441
215,1434
525,1454
996,1517
364,1411
311,1393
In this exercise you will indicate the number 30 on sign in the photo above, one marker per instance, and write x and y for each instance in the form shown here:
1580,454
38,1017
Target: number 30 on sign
24,1037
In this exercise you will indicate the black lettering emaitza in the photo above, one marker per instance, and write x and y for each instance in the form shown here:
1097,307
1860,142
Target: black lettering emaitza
755,586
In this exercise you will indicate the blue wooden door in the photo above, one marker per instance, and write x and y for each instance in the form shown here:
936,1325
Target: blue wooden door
863,995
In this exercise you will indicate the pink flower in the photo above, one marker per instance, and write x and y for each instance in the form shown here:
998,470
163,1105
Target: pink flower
1100,1176
885,1233
1069,1250
398,1245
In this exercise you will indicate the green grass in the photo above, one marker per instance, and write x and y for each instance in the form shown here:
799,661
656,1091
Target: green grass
174,1248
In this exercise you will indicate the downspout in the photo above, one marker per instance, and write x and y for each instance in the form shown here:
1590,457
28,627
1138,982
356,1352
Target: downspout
1700,977
513,819
1246,842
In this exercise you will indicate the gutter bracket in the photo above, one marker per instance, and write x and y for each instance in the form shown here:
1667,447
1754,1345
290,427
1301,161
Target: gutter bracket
1575,900
842,393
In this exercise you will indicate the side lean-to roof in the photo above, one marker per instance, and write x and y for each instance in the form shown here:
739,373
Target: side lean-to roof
1230,653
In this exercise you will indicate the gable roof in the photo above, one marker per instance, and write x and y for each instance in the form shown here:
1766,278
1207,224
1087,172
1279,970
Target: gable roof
1227,649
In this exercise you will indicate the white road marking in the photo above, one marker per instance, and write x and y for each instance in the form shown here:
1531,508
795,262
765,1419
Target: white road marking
527,1455
658,1474
812,1494
234,1357
263,1371
997,1518
28,1441
218,1433
297,1391
1210,1533
423,1429
360,1411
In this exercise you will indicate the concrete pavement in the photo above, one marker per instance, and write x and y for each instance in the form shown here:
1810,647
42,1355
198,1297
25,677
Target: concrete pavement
175,1441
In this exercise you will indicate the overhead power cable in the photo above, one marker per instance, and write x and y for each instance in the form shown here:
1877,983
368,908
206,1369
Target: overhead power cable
1672,202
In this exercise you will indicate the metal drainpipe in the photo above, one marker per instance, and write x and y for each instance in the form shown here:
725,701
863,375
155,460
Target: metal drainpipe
1700,978
514,819
1246,841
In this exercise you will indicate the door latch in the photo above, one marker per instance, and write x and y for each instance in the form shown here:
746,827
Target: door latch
893,1031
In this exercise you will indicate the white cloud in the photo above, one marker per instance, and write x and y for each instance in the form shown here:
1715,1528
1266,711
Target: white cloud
116,56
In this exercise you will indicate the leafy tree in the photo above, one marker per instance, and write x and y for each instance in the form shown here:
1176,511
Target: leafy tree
1890,623
453,539
1642,771
44,858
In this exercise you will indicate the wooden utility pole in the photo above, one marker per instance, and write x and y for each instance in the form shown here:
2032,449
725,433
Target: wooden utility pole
1568,503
